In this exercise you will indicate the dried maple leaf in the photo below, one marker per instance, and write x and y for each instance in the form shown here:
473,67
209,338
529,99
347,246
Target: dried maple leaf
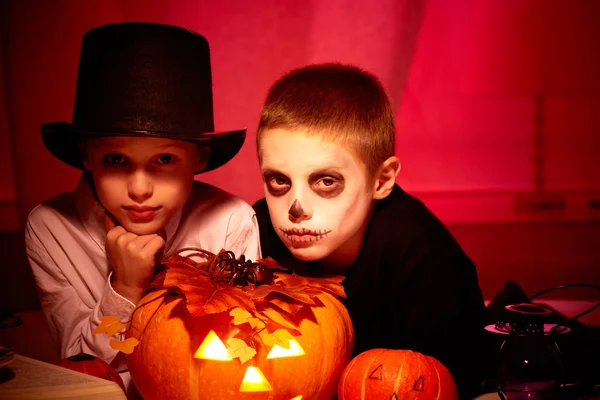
275,321
280,337
295,292
206,297
159,280
271,263
179,271
286,304
125,346
329,283
241,316
237,348
109,325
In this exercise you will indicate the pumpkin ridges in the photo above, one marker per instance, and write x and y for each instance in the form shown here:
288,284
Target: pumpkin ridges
368,371
398,377
347,371
330,364
445,377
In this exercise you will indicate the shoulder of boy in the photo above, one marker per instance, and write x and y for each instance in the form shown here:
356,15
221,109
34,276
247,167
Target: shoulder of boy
61,205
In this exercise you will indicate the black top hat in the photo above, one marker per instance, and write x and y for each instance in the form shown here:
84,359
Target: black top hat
143,79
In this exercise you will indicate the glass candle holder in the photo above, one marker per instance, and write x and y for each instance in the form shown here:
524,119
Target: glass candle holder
529,364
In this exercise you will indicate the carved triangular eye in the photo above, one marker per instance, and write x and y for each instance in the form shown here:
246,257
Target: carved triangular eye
212,348
394,396
294,350
377,373
419,385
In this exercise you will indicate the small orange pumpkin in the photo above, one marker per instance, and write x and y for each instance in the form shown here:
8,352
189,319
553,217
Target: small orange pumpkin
170,362
94,366
397,375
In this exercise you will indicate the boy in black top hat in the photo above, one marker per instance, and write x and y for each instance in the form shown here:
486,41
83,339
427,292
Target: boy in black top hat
142,128
326,150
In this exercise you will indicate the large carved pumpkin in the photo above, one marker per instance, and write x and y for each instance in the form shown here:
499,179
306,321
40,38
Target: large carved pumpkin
396,375
198,341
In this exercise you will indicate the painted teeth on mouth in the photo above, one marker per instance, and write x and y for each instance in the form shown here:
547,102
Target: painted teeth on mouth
315,235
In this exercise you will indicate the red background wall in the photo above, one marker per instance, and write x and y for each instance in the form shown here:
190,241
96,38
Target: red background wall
463,76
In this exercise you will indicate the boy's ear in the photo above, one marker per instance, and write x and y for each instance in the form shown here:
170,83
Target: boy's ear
386,178
203,154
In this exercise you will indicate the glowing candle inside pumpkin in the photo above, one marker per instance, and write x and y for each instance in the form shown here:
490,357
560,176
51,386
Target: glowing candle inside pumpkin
297,398
212,348
294,351
254,381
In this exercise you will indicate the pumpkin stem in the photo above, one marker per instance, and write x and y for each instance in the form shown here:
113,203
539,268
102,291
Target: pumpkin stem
196,249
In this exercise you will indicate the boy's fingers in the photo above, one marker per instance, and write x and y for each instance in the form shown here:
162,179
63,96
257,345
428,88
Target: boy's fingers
143,240
115,233
153,246
126,238
110,222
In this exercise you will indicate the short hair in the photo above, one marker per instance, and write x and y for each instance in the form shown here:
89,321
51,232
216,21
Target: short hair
337,102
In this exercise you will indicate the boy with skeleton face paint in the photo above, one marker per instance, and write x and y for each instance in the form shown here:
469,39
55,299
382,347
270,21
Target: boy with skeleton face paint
326,150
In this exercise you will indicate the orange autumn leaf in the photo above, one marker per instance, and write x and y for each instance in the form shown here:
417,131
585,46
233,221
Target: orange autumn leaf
290,292
237,348
126,346
241,316
179,271
280,337
330,283
287,304
271,263
206,297
297,293
275,320
109,325
203,296
159,280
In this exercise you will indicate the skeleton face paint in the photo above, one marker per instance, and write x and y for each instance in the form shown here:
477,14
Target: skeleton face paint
319,204
296,210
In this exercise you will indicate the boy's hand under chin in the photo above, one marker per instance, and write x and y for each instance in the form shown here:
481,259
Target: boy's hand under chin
132,258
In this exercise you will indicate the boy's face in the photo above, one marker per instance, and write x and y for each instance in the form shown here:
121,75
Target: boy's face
142,182
318,193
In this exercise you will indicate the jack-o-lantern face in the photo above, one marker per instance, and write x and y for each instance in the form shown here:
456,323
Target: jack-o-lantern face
284,337
187,358
213,348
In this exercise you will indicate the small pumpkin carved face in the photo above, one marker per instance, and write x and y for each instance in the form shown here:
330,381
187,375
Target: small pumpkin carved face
396,375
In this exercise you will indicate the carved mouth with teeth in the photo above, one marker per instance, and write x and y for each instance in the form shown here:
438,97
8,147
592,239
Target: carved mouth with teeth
303,235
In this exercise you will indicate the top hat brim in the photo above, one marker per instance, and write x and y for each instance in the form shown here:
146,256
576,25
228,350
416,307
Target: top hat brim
63,140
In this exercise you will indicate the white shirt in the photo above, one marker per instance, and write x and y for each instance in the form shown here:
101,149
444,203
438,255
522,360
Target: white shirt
65,237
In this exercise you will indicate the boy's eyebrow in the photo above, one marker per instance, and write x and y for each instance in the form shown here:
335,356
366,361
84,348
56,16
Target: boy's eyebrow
177,145
269,171
333,171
